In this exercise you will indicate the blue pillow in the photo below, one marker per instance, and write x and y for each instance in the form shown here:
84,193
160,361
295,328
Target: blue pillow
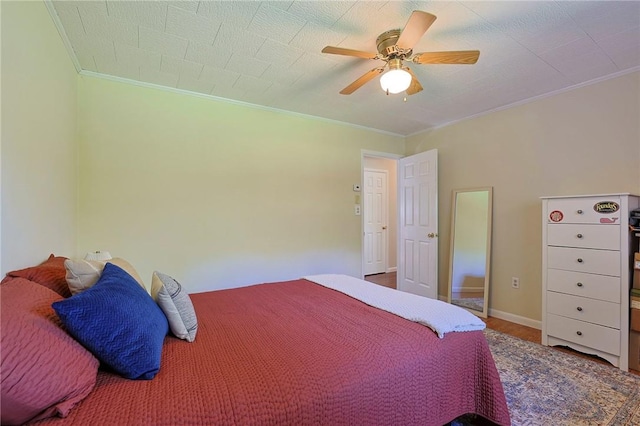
118,322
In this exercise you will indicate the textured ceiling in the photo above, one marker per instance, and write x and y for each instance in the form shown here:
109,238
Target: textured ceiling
267,53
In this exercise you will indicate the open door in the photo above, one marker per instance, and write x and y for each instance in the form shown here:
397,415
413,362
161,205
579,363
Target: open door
418,224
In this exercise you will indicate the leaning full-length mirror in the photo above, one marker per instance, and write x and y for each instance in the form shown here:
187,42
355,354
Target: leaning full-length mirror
470,255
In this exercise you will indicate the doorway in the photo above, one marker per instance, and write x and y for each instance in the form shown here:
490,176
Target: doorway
412,221
379,221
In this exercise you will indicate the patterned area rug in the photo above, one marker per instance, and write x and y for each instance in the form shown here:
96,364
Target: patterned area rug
545,386
475,303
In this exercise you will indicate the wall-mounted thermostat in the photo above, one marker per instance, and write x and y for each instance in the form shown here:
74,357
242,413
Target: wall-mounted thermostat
356,187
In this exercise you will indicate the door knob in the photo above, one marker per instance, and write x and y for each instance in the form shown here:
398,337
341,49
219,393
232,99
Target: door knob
384,227
432,235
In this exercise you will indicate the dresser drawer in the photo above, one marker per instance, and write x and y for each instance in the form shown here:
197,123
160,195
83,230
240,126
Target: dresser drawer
584,309
605,210
604,262
583,235
583,333
601,287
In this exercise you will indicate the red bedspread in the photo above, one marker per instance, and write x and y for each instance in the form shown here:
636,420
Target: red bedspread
295,353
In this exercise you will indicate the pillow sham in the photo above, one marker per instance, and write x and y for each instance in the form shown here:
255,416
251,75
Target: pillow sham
44,371
82,274
118,322
176,305
50,273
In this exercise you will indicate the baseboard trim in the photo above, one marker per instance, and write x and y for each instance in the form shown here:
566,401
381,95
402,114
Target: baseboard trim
516,319
392,269
470,289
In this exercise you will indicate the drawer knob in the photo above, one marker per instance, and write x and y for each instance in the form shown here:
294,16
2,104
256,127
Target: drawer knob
579,235
579,333
579,260
579,284
579,211
579,308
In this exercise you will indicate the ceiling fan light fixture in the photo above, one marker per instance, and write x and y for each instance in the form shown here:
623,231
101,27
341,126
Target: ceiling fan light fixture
395,81
394,47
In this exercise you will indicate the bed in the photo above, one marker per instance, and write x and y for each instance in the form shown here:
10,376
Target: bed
288,353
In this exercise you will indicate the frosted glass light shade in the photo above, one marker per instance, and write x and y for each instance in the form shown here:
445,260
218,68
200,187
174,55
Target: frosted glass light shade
98,255
395,81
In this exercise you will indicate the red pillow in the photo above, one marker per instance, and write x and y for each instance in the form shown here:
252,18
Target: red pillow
44,371
50,273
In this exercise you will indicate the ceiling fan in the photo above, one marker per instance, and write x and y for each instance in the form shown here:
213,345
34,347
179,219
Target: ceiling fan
396,46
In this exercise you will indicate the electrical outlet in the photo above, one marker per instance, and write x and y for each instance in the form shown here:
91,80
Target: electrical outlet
515,282
357,209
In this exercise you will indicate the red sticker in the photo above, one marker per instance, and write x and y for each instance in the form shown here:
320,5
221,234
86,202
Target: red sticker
556,216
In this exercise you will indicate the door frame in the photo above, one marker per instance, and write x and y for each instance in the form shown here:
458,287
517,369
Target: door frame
396,157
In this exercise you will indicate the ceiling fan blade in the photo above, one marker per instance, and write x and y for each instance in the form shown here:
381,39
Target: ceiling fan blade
455,57
368,76
418,24
349,52
415,85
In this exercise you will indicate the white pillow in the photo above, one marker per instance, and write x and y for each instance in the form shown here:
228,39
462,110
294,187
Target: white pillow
83,274
176,305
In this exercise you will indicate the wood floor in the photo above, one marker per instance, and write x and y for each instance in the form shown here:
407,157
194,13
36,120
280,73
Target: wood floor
387,280
521,331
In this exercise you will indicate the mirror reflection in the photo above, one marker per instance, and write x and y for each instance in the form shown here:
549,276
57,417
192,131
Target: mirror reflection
470,253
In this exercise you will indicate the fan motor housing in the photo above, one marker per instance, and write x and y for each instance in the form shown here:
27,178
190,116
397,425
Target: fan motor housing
386,44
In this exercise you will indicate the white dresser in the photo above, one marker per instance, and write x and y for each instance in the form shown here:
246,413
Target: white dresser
586,252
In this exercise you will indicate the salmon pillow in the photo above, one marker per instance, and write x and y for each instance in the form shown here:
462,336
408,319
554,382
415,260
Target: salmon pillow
44,371
50,273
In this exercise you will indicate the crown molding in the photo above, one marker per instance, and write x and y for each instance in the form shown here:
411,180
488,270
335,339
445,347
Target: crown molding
63,35
232,101
533,99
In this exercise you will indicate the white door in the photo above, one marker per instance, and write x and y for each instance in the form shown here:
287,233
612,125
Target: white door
375,221
418,224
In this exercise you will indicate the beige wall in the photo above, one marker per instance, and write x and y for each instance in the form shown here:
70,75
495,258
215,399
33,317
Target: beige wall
578,142
217,194
39,162
391,167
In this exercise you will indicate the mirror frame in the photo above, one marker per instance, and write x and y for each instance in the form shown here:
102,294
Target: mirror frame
487,275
